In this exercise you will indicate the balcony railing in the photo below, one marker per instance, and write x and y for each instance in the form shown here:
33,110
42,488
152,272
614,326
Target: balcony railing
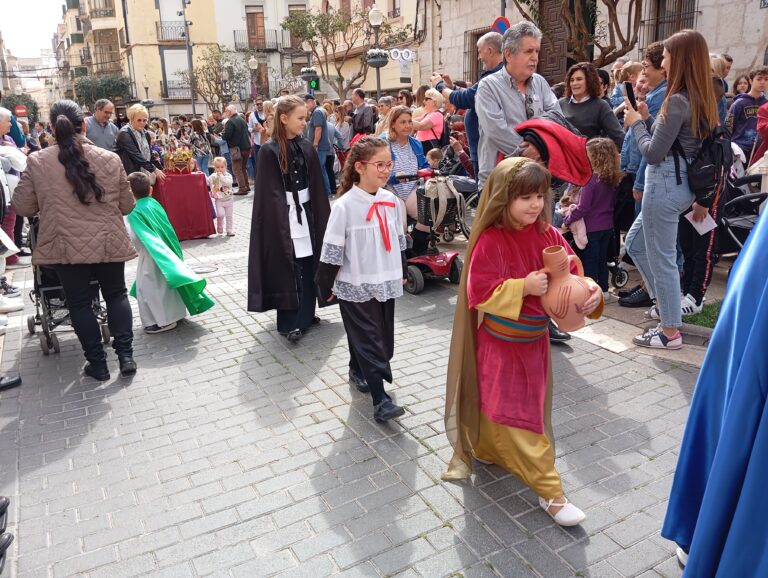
171,31
107,67
85,55
392,14
176,90
266,41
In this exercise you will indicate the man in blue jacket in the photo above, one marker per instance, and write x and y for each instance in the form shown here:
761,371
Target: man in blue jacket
489,53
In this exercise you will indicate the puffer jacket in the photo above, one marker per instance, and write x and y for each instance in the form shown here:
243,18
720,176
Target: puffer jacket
70,232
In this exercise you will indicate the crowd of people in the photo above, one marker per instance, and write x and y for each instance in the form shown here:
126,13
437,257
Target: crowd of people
637,128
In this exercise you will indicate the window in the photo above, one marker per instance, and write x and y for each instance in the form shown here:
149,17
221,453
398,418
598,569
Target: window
394,9
292,9
665,17
254,20
471,64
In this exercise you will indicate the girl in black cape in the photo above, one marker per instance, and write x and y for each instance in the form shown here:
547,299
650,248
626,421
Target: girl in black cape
290,213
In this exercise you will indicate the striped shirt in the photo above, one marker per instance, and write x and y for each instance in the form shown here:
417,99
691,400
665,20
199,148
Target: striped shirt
405,164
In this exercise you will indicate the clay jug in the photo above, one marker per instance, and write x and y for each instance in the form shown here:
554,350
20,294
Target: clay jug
566,292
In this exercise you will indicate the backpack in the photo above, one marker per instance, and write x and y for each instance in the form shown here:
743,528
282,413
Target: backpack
708,170
445,138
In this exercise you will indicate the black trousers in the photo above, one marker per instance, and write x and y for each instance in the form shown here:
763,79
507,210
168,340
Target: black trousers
370,328
76,281
301,318
594,257
18,229
329,170
700,255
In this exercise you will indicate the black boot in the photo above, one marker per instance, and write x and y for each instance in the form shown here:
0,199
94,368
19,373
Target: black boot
420,242
127,365
97,371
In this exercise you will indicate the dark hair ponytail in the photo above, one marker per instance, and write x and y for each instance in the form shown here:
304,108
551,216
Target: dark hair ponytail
362,150
67,119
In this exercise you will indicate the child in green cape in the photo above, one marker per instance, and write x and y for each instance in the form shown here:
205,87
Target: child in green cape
165,288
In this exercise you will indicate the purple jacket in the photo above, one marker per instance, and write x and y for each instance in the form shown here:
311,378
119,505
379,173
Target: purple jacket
595,206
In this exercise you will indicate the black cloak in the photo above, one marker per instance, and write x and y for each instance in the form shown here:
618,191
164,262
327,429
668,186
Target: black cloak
271,276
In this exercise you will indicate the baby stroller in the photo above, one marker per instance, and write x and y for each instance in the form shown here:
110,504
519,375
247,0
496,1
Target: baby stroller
737,214
51,312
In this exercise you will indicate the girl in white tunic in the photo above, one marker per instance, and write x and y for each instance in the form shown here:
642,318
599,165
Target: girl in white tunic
362,264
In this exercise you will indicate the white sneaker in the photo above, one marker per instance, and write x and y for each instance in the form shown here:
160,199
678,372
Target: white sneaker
609,297
8,306
655,338
652,313
682,557
568,515
688,305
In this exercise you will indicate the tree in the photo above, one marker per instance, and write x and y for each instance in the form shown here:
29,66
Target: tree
336,37
593,23
217,74
89,89
11,101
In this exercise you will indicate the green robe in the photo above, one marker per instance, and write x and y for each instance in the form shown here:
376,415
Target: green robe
151,225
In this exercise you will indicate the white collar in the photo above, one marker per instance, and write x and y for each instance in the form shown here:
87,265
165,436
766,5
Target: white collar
585,99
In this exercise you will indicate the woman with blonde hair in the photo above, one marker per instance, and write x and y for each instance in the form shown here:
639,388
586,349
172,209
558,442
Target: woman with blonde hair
269,119
688,115
429,126
133,144
290,213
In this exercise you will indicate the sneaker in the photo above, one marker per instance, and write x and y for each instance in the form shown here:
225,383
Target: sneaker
609,297
639,298
23,253
688,305
628,292
230,234
387,410
652,313
682,556
3,320
7,289
8,306
654,338
152,329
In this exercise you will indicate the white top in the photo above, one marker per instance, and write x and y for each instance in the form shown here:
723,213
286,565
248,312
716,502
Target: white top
357,243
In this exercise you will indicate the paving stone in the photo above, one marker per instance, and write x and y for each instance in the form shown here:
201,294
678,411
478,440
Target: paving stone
638,558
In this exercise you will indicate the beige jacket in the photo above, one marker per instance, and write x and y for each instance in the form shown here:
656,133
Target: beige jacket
71,232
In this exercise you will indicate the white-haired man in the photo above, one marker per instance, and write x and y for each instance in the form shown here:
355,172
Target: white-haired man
511,96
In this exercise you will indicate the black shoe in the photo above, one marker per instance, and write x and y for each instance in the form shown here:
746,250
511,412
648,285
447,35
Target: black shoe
557,336
7,289
628,292
359,382
23,253
315,320
294,336
639,298
127,366
387,410
8,382
5,541
97,372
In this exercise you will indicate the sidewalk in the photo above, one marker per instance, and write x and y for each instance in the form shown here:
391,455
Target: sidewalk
233,453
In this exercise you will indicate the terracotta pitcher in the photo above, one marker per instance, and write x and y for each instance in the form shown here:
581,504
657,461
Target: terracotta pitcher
566,292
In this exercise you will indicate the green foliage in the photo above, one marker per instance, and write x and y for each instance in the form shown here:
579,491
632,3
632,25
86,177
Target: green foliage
337,37
218,73
89,89
707,317
10,101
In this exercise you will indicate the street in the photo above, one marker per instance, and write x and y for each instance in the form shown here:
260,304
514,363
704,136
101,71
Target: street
234,453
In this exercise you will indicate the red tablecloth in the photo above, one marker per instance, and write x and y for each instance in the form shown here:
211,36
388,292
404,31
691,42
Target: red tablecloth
186,200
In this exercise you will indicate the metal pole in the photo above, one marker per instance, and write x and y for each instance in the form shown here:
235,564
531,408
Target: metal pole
189,56
503,10
378,70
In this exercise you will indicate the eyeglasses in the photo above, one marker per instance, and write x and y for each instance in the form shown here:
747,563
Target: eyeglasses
529,112
381,166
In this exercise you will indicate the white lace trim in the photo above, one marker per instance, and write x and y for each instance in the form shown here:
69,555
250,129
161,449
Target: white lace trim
367,291
332,254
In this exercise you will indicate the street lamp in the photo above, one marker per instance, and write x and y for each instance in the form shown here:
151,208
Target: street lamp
253,64
145,84
376,19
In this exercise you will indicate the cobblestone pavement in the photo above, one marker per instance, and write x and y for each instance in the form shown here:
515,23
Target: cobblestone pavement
233,453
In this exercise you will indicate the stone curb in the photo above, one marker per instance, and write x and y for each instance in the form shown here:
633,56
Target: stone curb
696,334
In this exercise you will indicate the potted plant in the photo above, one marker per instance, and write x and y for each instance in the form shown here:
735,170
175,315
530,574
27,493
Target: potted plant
309,73
377,57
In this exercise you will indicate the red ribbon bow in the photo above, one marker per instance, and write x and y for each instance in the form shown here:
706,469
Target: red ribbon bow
383,225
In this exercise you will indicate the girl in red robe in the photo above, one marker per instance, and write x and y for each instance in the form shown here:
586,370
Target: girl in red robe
499,399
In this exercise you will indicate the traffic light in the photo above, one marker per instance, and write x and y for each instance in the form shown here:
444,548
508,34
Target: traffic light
314,84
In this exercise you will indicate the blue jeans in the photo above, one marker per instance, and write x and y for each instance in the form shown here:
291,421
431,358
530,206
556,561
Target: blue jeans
652,240
594,257
255,159
321,155
202,163
228,156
